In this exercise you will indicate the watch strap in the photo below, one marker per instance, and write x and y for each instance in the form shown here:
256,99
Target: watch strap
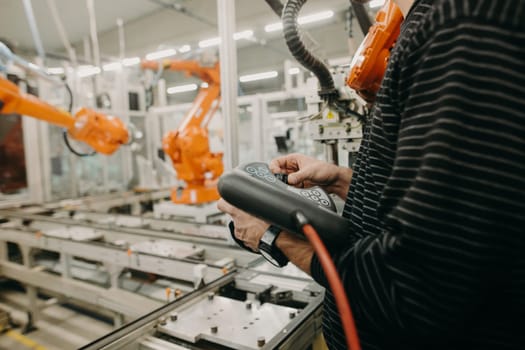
268,239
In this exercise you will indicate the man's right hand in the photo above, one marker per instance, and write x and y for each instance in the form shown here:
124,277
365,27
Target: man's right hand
304,172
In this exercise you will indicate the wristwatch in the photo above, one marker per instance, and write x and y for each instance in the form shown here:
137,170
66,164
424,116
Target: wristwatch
269,250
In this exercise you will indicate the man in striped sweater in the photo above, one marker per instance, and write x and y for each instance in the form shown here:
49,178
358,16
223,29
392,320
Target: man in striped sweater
436,255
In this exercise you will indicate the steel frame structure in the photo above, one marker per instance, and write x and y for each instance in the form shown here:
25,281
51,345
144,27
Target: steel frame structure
218,260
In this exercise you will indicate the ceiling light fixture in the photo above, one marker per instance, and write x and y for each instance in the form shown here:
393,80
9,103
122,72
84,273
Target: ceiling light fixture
86,71
209,42
181,88
376,3
161,54
245,34
55,70
131,61
112,66
314,17
273,27
184,48
294,71
258,76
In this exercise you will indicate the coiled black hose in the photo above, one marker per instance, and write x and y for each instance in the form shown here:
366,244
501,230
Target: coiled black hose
298,49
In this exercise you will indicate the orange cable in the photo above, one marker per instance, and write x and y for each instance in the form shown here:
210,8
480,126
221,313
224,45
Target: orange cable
336,285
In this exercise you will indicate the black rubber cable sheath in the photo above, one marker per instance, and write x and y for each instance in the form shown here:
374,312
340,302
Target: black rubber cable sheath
362,16
276,6
299,50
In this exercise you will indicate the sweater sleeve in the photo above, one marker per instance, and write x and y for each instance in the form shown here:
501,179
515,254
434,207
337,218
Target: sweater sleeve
457,229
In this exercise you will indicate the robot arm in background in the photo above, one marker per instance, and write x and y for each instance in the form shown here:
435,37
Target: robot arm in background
188,146
105,134
371,58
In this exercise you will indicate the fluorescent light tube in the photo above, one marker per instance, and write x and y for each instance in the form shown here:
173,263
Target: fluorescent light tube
86,71
376,3
112,66
55,70
181,88
245,34
258,76
294,70
184,48
130,61
161,54
314,17
209,42
273,27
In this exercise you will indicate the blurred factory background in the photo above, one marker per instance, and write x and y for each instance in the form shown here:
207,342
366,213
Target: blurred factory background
108,217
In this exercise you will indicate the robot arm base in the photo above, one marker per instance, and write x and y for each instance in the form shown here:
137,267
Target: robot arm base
195,194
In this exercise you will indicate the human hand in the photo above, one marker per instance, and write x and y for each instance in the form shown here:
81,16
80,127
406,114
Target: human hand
248,229
304,171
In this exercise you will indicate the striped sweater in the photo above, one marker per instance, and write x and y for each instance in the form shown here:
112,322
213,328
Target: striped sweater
436,255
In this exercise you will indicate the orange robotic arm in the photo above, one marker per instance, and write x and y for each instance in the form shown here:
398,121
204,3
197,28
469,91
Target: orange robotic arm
188,146
103,133
370,60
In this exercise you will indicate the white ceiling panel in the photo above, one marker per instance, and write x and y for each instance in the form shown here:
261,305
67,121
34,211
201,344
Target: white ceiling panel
14,26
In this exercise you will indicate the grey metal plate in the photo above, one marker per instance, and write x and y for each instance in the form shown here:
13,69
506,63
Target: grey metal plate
237,326
165,248
75,233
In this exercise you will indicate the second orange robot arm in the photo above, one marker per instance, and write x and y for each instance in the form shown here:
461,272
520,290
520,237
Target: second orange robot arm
105,134
188,146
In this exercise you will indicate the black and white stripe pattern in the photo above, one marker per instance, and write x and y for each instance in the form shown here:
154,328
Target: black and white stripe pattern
436,258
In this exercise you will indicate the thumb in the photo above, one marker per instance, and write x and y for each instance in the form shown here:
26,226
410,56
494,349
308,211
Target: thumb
297,178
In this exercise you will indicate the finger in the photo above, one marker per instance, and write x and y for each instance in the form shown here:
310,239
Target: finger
297,179
284,164
239,234
226,207
276,165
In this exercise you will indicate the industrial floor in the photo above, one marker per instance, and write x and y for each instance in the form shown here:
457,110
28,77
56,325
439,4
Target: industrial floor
59,327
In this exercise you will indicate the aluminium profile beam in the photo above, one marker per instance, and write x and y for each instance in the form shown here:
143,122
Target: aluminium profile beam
168,267
120,301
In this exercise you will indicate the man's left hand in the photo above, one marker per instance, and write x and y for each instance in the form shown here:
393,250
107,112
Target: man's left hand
248,229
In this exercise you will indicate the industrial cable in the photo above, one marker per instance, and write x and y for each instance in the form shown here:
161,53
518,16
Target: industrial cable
103,100
149,96
341,300
70,148
70,94
64,131
132,134
362,15
298,49
276,6
149,89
